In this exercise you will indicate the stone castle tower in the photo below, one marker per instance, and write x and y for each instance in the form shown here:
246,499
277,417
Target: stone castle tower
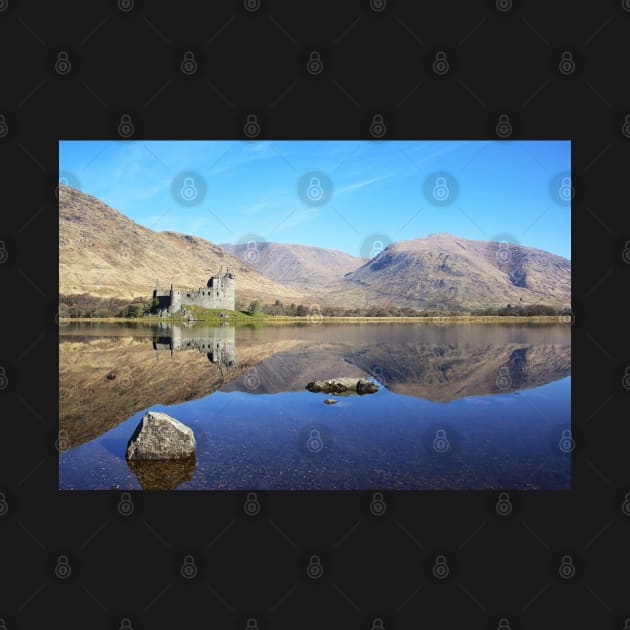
218,293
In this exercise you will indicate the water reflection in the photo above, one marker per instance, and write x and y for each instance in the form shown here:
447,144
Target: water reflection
108,374
217,343
242,390
163,474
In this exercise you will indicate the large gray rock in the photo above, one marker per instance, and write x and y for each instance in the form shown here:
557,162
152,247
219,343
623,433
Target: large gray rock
343,386
158,436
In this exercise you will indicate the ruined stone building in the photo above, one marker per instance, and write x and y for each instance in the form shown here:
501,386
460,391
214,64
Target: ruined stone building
218,293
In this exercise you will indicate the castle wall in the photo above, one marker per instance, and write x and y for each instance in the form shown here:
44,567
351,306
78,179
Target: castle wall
218,294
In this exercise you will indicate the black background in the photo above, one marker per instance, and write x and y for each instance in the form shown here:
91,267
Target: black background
255,62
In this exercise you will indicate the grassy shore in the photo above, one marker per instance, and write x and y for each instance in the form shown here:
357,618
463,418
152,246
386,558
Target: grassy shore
260,318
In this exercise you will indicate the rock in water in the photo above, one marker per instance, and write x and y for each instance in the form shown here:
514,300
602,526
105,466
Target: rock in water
343,386
330,401
158,436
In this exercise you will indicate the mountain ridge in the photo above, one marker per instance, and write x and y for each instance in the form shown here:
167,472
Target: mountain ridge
104,253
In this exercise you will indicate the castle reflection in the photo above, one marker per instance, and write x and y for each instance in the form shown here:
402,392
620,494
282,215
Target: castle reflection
218,344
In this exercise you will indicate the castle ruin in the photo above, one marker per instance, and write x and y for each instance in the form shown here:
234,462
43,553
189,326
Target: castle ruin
218,293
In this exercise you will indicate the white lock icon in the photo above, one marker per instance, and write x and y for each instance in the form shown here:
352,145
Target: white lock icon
377,248
441,191
189,190
315,191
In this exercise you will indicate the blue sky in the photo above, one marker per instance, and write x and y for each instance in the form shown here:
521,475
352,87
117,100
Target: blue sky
337,194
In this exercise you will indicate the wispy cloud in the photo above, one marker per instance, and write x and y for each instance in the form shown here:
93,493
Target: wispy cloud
361,184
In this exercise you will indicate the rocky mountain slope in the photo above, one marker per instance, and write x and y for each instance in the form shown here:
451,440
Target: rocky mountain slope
104,253
309,270
441,270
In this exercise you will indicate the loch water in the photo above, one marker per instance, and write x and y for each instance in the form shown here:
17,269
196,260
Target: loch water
459,406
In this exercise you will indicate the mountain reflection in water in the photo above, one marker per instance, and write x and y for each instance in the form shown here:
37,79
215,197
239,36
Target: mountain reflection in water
110,373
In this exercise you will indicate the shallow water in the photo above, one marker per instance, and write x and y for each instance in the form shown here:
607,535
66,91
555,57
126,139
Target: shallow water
460,406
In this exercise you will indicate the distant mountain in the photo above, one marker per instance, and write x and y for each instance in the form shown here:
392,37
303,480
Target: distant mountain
309,270
104,253
441,270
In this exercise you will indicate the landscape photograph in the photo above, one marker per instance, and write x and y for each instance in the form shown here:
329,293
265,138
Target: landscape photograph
314,315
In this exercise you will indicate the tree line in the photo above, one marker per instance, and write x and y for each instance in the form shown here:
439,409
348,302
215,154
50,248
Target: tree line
84,305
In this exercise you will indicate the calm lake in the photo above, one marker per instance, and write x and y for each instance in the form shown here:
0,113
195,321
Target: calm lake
459,406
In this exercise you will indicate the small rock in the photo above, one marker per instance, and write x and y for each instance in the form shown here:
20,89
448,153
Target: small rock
343,385
158,436
330,401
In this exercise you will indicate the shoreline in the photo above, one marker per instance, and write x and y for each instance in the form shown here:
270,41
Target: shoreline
279,319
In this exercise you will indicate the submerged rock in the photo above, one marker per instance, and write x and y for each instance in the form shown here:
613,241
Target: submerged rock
331,401
158,436
343,385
